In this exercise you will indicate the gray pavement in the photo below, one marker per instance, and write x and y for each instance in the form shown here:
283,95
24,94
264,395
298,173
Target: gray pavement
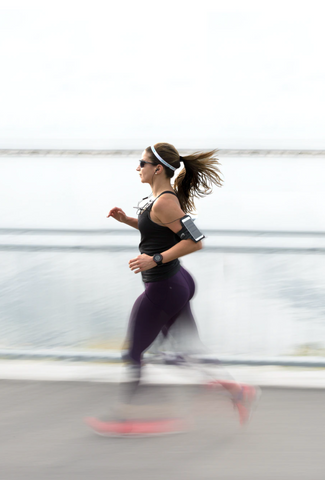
43,435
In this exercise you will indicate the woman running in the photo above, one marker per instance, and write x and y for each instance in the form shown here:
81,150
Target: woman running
168,233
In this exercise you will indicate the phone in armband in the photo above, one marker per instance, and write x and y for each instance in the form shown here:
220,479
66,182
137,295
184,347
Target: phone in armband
194,232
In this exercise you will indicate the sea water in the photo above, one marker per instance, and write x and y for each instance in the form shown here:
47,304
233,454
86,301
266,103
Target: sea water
260,279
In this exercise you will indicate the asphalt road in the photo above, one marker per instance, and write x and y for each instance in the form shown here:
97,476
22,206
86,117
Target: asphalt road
43,435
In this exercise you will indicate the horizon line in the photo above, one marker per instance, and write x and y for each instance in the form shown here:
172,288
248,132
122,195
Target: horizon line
130,152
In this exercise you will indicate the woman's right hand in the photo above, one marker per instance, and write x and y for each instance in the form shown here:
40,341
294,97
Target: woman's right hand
118,214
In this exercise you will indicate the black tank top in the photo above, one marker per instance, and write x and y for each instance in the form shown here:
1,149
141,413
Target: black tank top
157,239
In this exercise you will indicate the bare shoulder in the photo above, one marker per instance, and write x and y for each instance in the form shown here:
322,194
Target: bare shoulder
167,210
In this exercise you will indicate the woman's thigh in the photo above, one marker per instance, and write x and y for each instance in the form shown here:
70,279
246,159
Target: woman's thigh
155,308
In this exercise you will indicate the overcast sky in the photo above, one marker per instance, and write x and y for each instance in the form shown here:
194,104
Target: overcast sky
125,74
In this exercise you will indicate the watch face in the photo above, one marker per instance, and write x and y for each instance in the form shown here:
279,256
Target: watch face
157,258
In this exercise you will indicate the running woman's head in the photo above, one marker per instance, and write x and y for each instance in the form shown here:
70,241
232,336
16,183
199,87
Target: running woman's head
197,177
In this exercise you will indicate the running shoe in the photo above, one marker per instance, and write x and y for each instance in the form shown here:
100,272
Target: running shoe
245,402
132,428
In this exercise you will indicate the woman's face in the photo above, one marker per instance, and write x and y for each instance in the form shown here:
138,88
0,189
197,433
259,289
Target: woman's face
147,172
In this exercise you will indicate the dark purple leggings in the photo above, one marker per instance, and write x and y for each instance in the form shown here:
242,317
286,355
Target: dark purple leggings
161,305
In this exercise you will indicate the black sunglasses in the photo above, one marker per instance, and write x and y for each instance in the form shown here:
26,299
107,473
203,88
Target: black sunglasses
142,163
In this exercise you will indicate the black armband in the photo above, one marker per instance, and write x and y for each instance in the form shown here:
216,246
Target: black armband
183,234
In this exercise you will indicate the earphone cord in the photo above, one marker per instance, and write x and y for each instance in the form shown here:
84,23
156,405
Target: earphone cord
146,205
172,221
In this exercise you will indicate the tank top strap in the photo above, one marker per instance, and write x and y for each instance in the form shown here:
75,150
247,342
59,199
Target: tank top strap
166,191
162,193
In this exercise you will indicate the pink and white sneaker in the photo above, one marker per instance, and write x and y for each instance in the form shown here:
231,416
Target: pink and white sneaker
133,428
246,401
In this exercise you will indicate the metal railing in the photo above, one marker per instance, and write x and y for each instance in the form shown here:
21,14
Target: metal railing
214,240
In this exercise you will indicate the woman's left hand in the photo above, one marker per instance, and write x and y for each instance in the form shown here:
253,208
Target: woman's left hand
141,263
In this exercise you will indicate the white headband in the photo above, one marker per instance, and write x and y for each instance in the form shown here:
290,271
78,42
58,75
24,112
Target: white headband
159,158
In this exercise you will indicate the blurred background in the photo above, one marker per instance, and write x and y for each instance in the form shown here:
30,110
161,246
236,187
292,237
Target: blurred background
85,87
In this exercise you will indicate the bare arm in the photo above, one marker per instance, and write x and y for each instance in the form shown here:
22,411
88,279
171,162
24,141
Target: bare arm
121,217
166,212
184,247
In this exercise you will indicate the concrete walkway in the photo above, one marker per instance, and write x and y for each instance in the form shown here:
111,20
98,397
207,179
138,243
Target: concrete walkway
43,436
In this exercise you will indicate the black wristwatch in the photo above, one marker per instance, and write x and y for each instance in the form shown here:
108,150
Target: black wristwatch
158,258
